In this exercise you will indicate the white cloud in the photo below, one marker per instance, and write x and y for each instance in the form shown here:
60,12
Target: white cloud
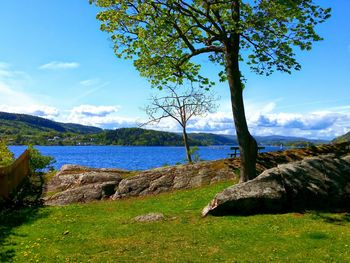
167,124
263,121
324,125
59,65
313,124
36,110
89,82
94,111
100,116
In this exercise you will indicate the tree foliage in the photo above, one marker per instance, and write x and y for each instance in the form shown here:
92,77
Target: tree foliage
162,36
39,162
6,156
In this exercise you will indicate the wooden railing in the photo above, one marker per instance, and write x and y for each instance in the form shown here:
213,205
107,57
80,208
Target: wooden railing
11,176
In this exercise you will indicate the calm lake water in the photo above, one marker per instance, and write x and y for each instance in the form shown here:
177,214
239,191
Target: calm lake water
126,157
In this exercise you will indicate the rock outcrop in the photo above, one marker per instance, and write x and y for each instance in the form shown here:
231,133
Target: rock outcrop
76,183
82,184
173,178
321,182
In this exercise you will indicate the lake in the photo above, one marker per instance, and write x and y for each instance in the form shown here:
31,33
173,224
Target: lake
126,157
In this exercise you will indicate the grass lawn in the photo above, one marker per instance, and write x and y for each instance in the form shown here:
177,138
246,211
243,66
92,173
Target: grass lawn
104,232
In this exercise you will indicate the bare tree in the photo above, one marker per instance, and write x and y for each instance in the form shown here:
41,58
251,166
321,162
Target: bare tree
181,106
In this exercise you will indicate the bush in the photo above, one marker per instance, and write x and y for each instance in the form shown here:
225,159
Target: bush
6,156
38,161
194,152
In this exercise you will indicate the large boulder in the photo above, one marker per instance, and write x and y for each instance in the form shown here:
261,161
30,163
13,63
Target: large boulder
81,194
314,183
75,183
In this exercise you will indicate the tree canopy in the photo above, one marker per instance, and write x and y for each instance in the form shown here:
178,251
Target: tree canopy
162,36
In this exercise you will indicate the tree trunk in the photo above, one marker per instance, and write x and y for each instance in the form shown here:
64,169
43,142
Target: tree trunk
185,138
247,144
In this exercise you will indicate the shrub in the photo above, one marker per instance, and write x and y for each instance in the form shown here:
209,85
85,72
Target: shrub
194,152
6,156
38,161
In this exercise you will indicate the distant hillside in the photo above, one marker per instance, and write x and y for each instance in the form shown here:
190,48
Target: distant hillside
214,139
137,136
20,129
14,123
342,138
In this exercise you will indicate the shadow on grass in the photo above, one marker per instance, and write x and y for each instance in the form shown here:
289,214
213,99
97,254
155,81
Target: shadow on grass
336,218
11,218
22,208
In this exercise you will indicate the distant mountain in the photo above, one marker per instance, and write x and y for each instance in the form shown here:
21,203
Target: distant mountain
15,122
27,129
342,138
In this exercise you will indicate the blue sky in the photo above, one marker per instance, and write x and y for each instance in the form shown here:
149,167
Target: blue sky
56,63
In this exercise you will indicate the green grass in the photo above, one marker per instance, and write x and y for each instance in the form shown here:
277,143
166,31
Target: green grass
105,232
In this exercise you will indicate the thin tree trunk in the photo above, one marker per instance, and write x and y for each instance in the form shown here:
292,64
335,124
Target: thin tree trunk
185,138
247,144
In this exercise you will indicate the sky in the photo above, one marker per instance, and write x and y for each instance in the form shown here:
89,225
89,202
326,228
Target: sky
56,63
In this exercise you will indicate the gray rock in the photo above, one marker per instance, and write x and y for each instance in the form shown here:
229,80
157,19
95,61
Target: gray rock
314,183
166,179
151,217
82,194
103,183
74,183
76,195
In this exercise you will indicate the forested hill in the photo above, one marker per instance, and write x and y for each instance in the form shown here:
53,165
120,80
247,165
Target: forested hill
13,122
342,138
137,136
19,129
22,129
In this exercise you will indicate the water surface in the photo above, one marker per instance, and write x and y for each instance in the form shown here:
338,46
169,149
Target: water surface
126,157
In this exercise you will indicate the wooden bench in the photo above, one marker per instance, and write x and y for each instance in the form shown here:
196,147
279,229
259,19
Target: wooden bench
236,149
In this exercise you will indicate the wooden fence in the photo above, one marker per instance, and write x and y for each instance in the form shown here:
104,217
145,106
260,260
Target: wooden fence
11,176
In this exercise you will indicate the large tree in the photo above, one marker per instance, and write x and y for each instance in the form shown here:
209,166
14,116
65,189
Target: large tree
181,104
164,36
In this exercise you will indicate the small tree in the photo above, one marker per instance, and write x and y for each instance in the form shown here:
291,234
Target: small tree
181,106
39,162
6,156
